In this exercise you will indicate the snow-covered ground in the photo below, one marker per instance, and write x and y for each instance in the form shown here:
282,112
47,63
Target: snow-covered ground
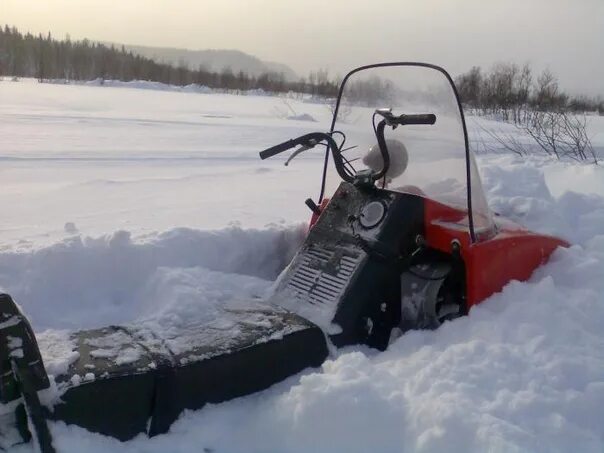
117,199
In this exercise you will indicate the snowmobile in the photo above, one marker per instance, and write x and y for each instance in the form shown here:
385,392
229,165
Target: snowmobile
406,241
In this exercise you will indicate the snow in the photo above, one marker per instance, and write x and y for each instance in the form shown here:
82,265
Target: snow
124,205
93,282
103,159
519,189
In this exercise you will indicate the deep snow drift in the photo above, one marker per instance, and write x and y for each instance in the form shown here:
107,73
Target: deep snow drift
98,183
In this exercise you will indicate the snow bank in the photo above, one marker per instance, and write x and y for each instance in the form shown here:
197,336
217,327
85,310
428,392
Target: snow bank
138,84
523,372
302,117
160,86
517,189
89,282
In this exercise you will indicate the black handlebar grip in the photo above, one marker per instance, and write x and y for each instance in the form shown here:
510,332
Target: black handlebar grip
426,118
274,150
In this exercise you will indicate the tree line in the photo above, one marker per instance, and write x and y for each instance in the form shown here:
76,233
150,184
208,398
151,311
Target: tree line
555,122
506,90
510,91
46,58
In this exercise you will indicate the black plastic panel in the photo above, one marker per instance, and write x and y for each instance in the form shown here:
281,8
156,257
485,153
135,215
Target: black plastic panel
351,270
147,395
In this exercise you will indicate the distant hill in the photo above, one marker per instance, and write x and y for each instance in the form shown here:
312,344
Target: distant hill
213,60
45,58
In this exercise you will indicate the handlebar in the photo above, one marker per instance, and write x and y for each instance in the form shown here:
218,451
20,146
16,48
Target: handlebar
394,121
421,118
314,138
417,118
311,140
274,150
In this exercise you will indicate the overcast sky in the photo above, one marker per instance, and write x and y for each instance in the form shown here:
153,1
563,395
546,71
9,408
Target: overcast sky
565,35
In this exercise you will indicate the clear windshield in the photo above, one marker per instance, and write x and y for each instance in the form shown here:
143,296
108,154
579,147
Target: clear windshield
429,160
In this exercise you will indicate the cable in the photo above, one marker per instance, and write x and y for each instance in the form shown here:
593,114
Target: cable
373,122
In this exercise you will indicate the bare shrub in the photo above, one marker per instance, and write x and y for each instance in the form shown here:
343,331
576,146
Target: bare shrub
556,123
284,110
576,138
558,134
505,141
344,111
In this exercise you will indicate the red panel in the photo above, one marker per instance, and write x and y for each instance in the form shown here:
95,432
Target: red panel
315,217
440,226
512,254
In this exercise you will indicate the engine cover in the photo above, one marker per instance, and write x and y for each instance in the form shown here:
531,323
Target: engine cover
346,276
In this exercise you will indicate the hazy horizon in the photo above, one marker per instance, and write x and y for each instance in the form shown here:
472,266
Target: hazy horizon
565,36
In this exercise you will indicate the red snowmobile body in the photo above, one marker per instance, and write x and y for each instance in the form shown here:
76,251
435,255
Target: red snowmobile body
512,253
383,256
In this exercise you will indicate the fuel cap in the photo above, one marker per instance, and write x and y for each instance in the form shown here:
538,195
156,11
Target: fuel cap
372,214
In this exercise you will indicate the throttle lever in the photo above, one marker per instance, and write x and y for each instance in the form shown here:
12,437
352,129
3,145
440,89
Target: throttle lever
311,144
389,118
386,113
